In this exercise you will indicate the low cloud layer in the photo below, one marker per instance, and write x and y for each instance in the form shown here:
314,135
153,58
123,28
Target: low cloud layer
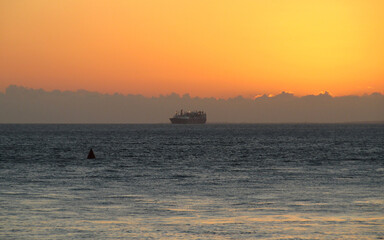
23,105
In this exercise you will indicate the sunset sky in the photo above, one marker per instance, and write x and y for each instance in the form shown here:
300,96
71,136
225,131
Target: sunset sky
213,48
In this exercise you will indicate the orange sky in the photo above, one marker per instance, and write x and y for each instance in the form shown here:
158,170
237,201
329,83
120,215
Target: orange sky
219,48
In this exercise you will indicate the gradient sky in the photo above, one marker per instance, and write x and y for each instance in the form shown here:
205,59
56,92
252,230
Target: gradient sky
206,48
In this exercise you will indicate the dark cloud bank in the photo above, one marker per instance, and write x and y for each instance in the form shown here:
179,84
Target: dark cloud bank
23,105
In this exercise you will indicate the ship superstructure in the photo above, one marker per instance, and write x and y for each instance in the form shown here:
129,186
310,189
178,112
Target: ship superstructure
189,117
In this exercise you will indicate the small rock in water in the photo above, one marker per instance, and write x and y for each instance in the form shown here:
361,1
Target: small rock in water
91,155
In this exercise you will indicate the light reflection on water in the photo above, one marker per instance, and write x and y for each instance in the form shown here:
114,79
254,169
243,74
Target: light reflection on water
189,218
192,182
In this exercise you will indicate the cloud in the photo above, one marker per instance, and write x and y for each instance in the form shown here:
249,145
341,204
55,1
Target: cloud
23,105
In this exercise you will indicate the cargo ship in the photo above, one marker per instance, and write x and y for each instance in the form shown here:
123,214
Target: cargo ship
190,117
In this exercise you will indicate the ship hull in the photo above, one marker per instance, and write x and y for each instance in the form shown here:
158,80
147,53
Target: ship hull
187,121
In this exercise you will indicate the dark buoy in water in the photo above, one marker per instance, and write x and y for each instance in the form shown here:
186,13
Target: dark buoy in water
91,155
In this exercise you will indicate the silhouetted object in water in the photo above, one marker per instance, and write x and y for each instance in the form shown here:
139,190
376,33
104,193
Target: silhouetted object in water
91,155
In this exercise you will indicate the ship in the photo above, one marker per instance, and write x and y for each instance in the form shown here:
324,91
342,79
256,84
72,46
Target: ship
190,117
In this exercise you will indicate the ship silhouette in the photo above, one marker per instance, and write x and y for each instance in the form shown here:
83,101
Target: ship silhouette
189,117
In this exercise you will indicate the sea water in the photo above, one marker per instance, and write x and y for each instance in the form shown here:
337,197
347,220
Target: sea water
213,181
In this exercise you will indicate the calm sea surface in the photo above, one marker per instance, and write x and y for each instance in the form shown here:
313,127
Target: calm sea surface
192,182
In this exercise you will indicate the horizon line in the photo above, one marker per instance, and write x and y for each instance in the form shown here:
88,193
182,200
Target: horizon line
208,123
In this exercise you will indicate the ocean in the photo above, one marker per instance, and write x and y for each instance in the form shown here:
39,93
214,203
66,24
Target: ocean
213,181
